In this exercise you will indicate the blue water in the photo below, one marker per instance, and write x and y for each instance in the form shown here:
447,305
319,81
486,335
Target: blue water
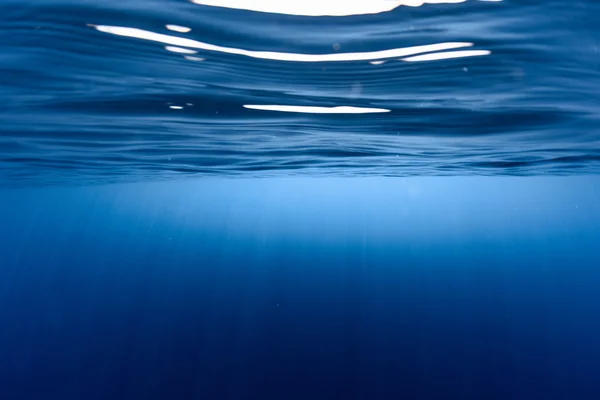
86,105
415,212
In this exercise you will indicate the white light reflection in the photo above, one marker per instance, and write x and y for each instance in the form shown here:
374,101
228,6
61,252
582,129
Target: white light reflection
180,50
447,54
318,110
316,8
270,55
178,28
192,58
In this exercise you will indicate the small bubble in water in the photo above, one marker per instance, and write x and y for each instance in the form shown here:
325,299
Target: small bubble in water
466,69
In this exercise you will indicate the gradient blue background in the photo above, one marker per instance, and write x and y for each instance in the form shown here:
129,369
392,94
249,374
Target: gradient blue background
474,288
420,288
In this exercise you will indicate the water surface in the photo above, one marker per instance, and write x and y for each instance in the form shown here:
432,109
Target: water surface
101,91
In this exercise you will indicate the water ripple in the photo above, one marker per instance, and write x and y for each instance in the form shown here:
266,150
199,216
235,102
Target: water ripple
164,89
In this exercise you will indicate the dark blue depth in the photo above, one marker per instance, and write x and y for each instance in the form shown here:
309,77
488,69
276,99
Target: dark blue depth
267,289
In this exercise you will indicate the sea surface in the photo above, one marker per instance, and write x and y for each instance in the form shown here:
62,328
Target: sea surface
415,213
104,90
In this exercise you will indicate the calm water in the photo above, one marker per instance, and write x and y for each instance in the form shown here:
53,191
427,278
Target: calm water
131,90
343,262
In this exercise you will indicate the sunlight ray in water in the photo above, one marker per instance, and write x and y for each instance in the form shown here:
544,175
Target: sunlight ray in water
316,8
318,110
271,55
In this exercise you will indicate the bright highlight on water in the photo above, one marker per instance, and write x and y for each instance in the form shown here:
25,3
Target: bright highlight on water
270,55
316,8
318,110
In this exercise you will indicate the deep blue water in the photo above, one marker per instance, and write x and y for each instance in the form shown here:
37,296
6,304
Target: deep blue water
427,288
415,212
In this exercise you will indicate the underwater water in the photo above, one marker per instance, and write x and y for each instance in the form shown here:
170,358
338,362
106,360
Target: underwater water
227,199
